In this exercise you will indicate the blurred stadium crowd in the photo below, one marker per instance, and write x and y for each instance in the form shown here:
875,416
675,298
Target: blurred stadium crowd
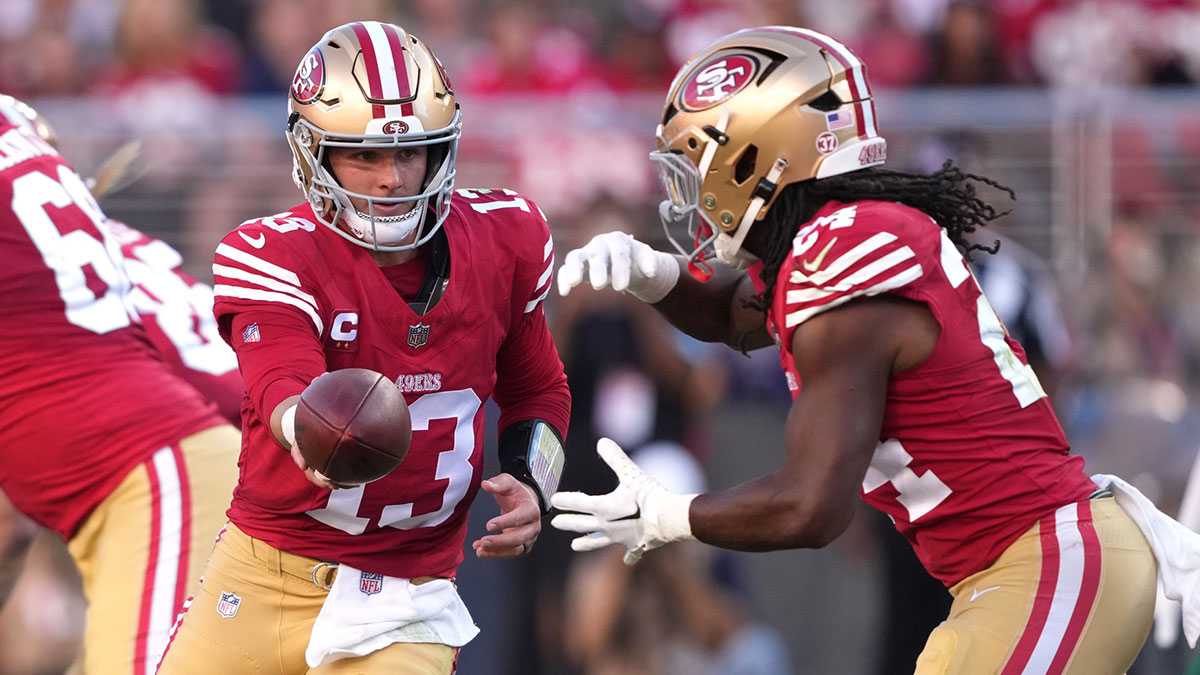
1088,108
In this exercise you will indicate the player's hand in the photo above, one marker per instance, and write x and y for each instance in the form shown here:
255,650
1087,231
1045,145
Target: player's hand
617,260
519,522
313,475
640,514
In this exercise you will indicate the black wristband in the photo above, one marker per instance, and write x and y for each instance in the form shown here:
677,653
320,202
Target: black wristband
532,451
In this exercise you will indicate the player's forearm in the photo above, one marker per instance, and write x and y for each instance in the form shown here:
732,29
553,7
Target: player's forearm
282,422
713,311
767,514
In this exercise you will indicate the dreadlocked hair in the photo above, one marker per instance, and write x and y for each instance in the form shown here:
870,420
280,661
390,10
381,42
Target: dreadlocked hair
947,195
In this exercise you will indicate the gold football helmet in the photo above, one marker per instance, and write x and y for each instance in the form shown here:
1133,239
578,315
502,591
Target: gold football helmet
23,115
371,84
754,111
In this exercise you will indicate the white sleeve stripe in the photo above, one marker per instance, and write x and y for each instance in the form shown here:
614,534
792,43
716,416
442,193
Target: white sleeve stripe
902,279
545,275
224,272
237,292
847,259
809,295
258,264
878,267
529,306
548,249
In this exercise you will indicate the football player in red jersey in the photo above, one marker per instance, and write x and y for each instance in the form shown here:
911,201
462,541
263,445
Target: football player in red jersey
384,266
103,442
907,390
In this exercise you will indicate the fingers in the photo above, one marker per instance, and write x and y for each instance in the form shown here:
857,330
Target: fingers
316,478
576,522
597,263
617,460
571,272
646,260
508,545
578,501
592,542
298,458
620,260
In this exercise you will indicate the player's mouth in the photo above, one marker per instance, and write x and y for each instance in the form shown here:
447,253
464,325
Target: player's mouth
390,213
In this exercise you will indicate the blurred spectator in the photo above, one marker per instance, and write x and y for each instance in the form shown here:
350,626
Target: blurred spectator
671,614
635,59
41,624
164,47
898,57
690,25
965,49
279,32
630,380
1089,44
51,47
1131,329
526,52
445,22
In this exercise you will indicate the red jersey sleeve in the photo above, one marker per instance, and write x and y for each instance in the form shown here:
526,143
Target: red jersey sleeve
268,309
850,252
531,381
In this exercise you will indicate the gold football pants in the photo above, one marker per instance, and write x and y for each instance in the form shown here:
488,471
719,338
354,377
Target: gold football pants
1074,594
254,612
141,550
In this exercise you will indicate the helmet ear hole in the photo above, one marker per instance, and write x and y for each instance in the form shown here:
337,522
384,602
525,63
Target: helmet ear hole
743,170
826,102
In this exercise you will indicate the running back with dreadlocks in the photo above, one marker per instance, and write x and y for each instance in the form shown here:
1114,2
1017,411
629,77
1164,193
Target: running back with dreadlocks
907,391
948,196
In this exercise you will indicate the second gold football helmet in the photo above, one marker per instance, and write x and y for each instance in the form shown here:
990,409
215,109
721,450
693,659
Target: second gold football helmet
755,111
369,84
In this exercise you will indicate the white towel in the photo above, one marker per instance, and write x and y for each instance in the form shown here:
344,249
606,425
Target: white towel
365,612
1176,548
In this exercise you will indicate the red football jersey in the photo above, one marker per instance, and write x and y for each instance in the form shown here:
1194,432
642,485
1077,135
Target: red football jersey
970,454
295,299
83,395
176,310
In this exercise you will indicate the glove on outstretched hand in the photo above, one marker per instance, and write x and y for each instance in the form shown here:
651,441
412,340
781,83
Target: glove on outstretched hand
618,260
640,514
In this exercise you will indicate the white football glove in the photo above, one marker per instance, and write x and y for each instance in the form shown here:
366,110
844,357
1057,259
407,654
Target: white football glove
640,514
618,260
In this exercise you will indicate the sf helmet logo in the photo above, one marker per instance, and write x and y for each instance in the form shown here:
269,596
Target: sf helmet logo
310,77
395,127
718,80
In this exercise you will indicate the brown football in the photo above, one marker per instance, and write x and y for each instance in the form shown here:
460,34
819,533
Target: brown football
353,426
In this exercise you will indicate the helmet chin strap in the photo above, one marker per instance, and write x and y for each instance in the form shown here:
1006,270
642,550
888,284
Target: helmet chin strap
729,247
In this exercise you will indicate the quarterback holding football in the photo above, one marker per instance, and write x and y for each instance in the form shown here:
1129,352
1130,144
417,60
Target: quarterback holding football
385,267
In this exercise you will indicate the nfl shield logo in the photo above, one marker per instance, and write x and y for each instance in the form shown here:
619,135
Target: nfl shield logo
370,583
251,334
418,335
228,605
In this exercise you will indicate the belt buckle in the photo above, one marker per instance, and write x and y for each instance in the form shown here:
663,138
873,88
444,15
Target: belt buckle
327,582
